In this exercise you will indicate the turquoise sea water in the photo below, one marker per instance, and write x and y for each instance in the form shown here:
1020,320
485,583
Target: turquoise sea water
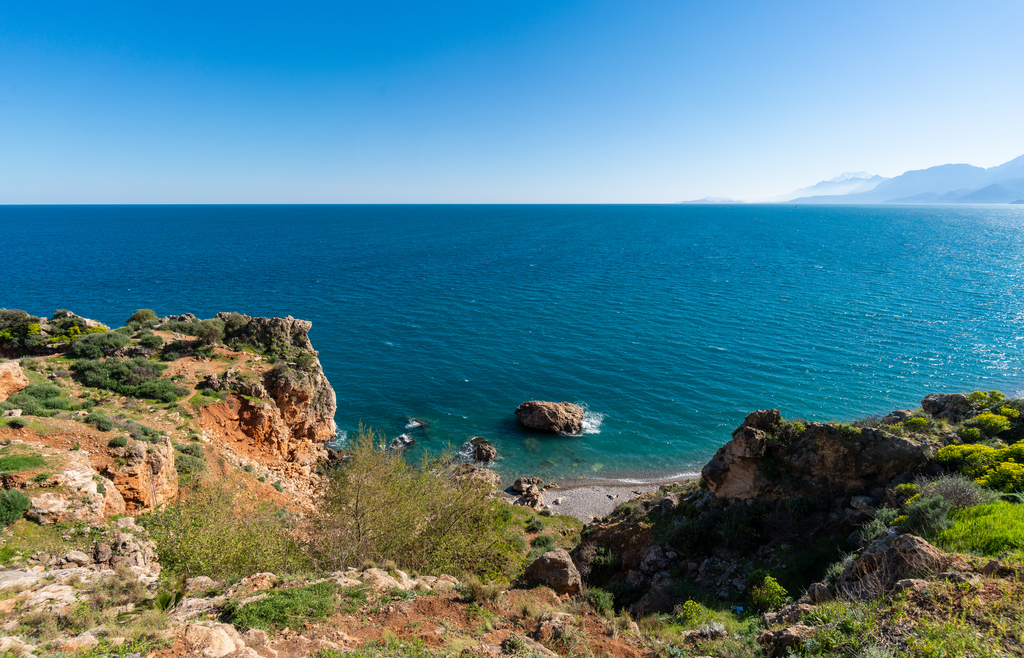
669,323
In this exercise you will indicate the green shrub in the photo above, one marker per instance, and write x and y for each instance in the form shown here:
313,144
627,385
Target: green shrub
151,341
916,422
17,423
989,423
100,420
1008,477
143,316
543,542
971,435
248,468
294,607
94,346
118,442
209,332
13,504
223,530
376,507
535,524
277,485
768,595
986,400
136,377
601,601
927,515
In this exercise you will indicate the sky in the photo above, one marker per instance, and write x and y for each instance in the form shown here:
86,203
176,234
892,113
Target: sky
488,102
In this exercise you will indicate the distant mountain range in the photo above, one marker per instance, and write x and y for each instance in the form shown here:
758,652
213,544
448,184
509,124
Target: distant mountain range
950,183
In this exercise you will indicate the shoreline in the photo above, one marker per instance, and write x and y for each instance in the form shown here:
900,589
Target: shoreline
586,499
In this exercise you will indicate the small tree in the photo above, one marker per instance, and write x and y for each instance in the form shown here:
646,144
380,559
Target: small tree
144,316
210,332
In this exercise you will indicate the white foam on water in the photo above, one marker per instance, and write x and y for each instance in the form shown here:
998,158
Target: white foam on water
669,478
340,437
413,424
591,420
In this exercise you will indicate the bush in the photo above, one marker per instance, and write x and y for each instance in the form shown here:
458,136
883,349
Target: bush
916,422
535,524
1007,477
376,507
95,346
971,435
143,316
100,420
118,442
223,531
768,595
989,423
17,423
209,332
151,340
927,515
986,400
601,601
19,463
543,542
136,377
958,490
13,504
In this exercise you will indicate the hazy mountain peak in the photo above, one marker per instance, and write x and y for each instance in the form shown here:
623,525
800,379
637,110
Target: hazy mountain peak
847,175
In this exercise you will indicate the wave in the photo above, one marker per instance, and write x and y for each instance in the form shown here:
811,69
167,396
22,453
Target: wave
591,420
339,440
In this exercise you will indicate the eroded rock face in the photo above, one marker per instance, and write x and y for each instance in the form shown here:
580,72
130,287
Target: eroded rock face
556,570
954,407
82,495
148,478
477,474
882,565
561,417
12,379
822,460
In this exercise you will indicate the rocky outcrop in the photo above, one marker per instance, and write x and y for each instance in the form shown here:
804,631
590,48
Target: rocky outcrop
275,335
483,450
476,474
766,460
556,570
561,417
148,477
884,564
79,494
12,379
954,407
305,401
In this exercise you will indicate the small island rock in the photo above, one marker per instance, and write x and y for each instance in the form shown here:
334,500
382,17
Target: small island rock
561,417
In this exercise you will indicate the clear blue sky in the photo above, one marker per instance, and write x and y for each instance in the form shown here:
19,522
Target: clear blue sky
631,101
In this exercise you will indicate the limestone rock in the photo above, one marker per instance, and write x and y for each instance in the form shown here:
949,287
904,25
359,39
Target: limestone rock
379,580
12,379
882,565
148,478
824,460
896,417
211,639
561,417
483,450
476,474
775,642
521,484
954,407
556,570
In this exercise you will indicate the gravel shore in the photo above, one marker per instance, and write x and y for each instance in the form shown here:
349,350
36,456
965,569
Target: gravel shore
585,499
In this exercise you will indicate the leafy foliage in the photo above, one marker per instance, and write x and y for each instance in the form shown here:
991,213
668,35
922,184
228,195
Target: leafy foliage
13,504
376,507
294,606
95,346
768,594
143,316
136,377
223,530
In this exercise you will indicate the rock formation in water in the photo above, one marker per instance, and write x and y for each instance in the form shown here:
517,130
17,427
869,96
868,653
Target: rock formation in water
561,417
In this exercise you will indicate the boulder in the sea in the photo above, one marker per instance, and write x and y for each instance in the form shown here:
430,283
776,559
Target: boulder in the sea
401,442
556,570
954,407
483,450
561,417
822,459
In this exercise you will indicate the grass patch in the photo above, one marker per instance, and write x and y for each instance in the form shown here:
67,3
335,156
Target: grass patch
19,463
985,529
292,607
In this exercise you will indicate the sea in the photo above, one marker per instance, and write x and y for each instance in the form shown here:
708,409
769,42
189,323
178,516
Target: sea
666,323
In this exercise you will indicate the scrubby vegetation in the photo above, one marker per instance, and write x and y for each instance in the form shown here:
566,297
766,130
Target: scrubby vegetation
138,377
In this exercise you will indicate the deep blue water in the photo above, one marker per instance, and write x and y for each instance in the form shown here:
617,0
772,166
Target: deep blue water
669,323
